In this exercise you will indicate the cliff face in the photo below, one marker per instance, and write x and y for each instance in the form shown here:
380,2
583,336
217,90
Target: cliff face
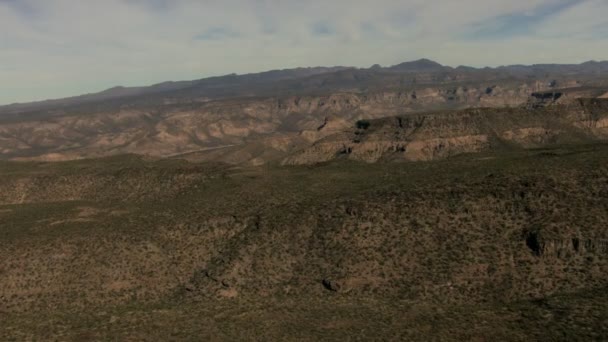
248,130
439,135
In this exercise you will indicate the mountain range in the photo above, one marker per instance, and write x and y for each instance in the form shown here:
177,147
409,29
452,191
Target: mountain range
272,116
304,80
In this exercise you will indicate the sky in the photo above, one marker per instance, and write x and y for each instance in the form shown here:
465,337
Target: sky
59,48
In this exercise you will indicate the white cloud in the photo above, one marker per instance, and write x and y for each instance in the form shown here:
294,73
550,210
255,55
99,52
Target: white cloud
54,48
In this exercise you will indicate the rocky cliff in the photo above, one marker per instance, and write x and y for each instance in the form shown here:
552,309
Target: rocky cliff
235,130
439,135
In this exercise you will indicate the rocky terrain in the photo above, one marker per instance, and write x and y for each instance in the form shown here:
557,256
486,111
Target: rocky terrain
260,118
103,248
432,136
414,202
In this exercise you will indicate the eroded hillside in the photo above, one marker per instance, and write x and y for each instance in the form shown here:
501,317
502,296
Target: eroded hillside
236,131
440,135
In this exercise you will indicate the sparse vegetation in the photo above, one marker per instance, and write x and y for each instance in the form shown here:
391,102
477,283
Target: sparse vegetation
362,124
105,249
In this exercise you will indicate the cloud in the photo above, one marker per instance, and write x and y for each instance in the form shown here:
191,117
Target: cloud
322,28
55,48
520,23
217,33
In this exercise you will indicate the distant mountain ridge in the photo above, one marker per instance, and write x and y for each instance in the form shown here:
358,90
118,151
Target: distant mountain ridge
264,117
421,65
120,91
307,79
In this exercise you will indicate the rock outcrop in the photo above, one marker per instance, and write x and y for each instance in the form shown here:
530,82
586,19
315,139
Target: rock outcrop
433,136
231,125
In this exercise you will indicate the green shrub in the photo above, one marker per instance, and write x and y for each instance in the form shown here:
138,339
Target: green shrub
363,124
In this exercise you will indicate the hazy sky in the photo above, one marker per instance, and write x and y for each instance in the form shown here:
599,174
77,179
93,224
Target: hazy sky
57,48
